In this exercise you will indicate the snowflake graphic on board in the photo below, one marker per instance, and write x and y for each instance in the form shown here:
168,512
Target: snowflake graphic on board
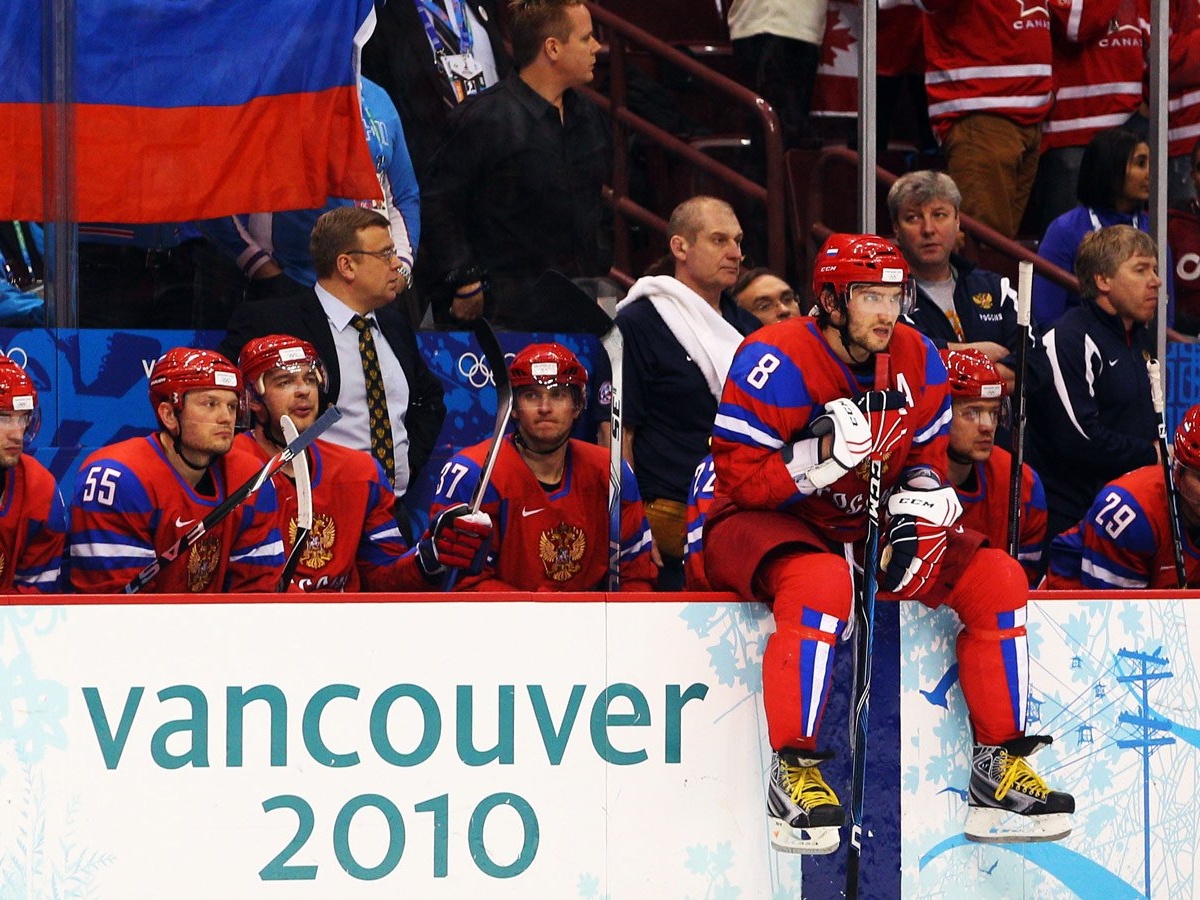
738,636
32,867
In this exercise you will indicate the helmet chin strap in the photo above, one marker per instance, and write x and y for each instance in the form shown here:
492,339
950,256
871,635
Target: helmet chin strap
520,442
849,343
272,432
178,446
959,457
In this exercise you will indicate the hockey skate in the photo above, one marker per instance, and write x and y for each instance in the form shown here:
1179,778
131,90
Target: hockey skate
803,814
1009,802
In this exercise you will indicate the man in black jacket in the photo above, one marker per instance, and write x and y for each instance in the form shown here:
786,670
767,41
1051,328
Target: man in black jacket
358,275
514,188
1090,418
958,305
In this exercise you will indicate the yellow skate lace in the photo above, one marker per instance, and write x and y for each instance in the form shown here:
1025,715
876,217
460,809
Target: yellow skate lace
807,787
1017,772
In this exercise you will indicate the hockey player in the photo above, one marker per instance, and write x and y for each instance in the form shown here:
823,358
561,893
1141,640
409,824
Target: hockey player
1124,542
700,500
33,519
548,494
354,543
979,470
800,416
136,498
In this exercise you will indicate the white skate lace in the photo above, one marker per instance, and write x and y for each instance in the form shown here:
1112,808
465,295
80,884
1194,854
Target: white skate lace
1015,772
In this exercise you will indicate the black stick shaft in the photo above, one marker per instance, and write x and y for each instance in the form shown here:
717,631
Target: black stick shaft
494,354
233,501
1024,292
1154,370
864,647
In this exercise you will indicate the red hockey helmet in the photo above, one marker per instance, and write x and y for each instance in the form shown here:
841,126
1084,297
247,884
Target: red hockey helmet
18,395
845,260
973,375
1187,439
548,365
280,351
184,369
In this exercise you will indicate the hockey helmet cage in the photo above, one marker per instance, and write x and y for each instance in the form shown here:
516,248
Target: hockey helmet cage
1187,439
548,365
845,260
279,351
184,369
972,374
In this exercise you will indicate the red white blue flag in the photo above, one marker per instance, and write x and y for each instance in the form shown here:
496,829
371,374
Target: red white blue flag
188,109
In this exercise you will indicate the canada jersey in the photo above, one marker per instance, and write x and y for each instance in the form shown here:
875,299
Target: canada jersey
130,506
781,378
985,507
33,523
355,543
1124,542
550,541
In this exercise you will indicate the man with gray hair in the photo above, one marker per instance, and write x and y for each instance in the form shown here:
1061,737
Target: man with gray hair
959,306
1092,418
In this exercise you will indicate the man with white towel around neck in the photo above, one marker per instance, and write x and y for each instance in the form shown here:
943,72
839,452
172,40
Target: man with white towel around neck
680,335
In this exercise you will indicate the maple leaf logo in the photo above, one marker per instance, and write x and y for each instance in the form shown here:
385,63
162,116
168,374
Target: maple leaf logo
838,36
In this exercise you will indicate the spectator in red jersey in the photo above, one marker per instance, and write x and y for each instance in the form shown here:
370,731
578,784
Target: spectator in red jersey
987,74
1183,97
1183,235
1099,64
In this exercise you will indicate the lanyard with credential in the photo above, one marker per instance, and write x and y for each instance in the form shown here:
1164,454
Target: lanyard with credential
429,9
1096,224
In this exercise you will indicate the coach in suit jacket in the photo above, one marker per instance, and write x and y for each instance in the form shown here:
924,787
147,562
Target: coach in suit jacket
400,57
358,274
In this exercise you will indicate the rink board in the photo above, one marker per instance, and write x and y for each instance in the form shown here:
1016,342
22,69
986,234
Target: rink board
569,749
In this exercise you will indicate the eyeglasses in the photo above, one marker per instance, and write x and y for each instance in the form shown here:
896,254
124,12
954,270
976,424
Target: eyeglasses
386,255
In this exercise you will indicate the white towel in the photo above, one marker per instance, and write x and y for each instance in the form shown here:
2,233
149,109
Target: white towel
705,336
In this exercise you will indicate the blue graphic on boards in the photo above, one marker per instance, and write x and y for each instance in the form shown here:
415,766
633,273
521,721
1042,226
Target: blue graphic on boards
39,855
1108,685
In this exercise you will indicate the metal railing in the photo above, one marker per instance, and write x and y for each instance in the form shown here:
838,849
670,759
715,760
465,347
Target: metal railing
619,35
983,235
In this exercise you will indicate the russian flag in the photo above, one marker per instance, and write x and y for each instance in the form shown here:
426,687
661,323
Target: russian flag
189,109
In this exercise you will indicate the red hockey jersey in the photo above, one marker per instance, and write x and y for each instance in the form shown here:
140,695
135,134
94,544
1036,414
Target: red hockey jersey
130,505
1100,51
985,507
354,543
779,383
33,524
987,56
550,541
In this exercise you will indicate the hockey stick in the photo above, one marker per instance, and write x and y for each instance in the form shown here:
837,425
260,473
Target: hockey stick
494,355
1154,370
1024,300
234,500
561,305
304,506
863,650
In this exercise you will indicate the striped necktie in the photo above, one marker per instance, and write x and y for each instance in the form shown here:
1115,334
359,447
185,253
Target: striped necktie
381,425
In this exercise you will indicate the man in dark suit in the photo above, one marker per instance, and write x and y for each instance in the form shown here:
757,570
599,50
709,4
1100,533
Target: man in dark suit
409,55
358,275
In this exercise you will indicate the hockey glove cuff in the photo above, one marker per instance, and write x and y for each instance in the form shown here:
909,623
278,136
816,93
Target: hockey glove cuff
456,539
